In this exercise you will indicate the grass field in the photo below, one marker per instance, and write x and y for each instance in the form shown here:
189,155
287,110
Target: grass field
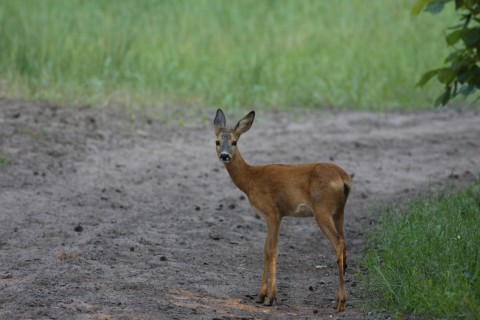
425,260
233,54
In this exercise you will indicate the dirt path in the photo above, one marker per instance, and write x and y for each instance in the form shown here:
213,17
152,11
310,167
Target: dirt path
100,220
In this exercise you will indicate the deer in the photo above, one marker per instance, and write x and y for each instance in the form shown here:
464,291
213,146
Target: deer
275,191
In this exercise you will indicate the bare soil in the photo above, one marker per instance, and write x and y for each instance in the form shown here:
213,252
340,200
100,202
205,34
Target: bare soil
105,218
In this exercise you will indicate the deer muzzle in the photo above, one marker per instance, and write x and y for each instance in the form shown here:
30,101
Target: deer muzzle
225,157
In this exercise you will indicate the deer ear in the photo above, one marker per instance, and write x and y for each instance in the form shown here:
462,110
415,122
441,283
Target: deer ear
245,123
219,121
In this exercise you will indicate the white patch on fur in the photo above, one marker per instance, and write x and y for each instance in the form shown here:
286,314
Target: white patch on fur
302,211
337,184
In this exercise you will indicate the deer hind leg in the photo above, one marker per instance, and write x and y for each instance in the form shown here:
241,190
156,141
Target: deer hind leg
268,294
332,227
338,221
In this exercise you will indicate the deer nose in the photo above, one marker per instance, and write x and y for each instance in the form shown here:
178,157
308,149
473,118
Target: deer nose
224,156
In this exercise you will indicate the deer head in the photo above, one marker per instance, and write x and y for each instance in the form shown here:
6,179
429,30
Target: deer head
226,142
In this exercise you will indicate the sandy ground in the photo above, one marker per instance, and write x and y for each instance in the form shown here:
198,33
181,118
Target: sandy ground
104,219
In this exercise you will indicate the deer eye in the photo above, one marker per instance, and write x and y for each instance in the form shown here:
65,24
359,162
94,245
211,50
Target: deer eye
234,143
217,143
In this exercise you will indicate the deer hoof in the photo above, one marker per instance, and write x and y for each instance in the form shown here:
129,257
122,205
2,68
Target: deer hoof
269,301
340,305
260,298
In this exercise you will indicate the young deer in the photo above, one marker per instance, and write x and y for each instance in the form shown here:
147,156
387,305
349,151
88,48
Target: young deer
278,190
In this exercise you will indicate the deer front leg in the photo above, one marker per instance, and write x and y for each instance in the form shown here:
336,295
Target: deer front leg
268,294
264,287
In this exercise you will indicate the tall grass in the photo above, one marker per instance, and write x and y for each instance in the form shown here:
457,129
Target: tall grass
285,53
425,260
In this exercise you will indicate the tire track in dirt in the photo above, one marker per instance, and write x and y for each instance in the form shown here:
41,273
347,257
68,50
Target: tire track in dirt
164,232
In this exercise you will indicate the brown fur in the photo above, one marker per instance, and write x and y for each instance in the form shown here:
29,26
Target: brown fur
276,191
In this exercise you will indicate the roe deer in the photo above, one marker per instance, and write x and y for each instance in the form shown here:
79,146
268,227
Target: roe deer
279,190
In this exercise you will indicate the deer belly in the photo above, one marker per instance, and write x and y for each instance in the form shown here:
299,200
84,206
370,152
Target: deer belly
301,211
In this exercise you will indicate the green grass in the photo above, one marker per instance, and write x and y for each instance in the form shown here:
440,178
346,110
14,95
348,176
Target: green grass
424,260
232,54
5,160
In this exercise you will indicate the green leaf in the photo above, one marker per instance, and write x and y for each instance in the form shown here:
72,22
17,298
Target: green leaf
457,26
426,77
466,89
471,36
454,56
463,75
446,75
435,6
418,6
454,37
443,98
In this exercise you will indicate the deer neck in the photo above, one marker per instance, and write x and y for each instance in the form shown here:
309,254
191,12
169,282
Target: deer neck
240,172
